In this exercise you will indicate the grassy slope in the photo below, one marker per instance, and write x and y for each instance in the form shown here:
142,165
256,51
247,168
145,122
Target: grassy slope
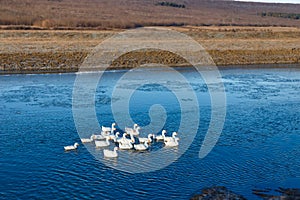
65,50
132,13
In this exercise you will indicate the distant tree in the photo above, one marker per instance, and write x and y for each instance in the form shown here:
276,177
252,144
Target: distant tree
281,15
170,4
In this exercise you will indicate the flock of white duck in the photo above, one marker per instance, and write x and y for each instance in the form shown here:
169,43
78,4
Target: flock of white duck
130,139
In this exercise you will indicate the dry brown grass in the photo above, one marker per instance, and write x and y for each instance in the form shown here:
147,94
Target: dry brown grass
59,50
104,14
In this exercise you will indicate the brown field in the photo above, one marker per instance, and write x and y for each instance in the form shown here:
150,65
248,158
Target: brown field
56,35
61,50
106,14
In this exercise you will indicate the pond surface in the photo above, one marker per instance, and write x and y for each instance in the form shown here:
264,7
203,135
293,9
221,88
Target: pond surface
259,146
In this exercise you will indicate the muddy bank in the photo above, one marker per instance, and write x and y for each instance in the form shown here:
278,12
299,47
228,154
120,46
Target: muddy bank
222,193
217,193
40,51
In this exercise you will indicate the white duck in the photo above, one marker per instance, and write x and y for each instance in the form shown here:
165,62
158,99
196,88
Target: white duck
134,131
126,140
105,134
98,137
147,139
173,142
112,132
141,147
109,129
162,136
113,137
87,140
122,139
71,147
174,134
117,138
110,154
125,145
102,143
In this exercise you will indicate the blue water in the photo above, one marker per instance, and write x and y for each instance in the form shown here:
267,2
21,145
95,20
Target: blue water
259,146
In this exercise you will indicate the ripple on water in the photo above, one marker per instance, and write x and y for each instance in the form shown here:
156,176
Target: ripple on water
258,148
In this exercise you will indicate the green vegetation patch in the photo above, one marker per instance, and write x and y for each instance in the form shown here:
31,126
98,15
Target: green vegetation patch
282,15
170,4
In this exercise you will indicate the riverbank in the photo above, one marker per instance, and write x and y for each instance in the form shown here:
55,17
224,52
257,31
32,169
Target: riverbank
225,67
52,51
221,192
